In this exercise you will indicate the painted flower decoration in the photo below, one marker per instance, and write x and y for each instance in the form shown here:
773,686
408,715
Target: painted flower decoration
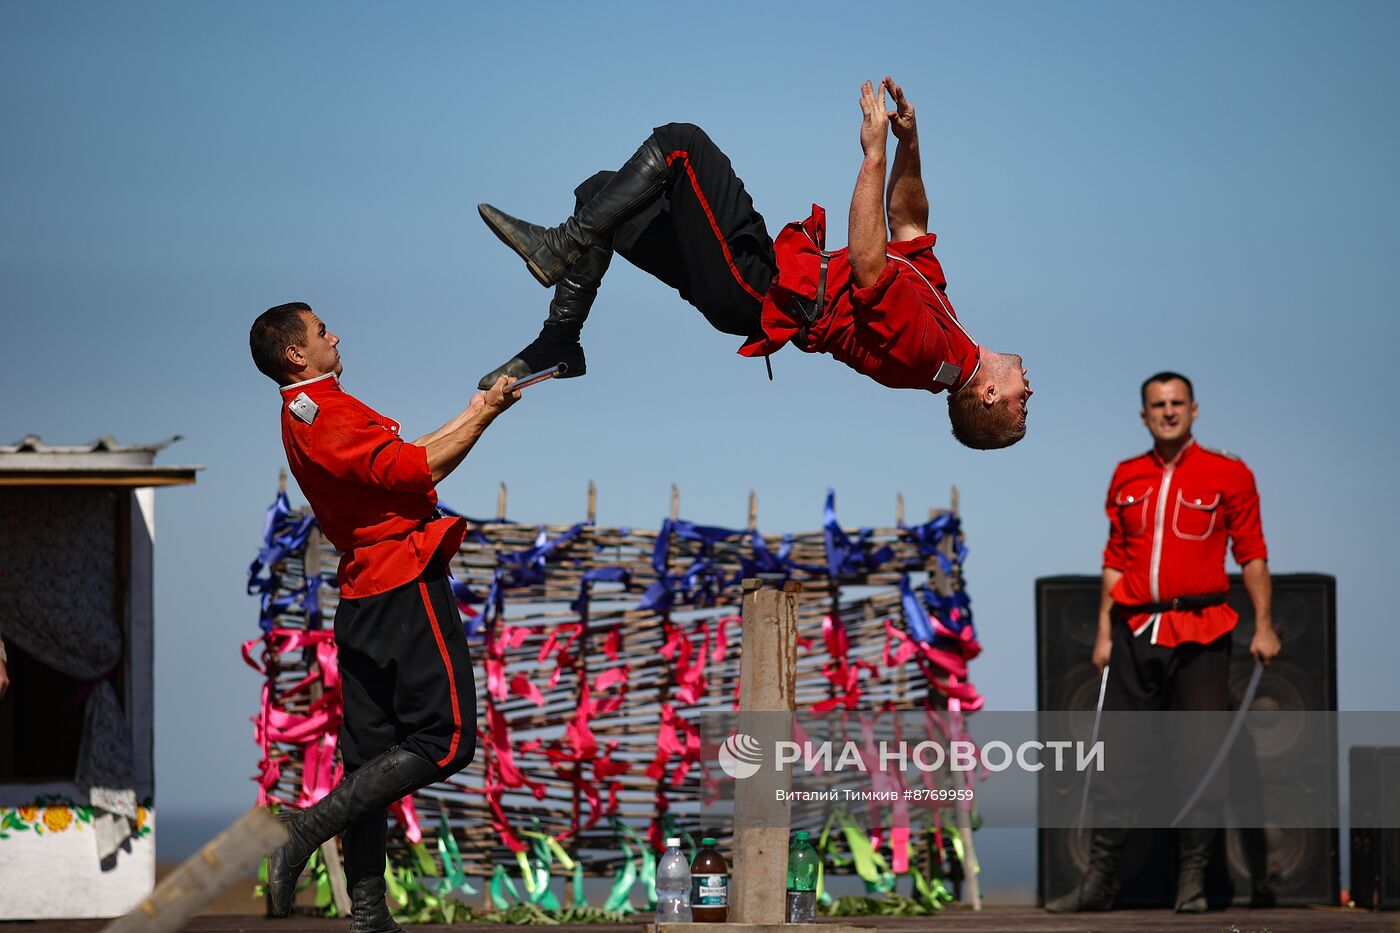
57,819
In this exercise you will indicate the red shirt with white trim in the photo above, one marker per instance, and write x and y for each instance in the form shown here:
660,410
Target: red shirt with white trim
900,331
1167,528
372,491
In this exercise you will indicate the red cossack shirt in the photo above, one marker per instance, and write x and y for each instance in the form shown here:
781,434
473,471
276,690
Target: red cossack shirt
372,492
900,330
1167,527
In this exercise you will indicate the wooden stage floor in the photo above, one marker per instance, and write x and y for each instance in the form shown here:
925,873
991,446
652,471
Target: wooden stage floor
951,920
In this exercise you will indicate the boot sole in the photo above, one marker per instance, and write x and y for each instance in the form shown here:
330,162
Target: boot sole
540,275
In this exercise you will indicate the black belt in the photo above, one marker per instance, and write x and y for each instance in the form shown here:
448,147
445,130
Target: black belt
811,313
1178,604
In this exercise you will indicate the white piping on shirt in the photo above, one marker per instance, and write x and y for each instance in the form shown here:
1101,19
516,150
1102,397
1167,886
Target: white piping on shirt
943,303
307,382
1160,523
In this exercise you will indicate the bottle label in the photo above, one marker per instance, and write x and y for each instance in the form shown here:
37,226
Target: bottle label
709,891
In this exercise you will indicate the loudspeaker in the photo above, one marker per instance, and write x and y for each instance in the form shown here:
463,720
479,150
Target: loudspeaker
1375,816
1272,865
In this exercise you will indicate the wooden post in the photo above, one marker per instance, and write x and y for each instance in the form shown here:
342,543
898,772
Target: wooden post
899,510
675,502
753,510
963,818
768,680
501,504
224,861
592,503
335,871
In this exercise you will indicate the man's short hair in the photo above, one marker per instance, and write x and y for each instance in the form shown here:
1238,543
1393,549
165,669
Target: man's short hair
1167,376
983,427
272,333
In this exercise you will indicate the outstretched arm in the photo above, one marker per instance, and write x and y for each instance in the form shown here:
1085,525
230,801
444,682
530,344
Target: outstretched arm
449,445
867,241
908,202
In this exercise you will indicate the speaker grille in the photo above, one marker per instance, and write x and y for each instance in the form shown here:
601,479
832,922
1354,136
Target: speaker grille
1299,866
1375,814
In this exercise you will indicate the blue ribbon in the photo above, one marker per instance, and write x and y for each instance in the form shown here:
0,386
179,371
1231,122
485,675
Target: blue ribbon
928,536
473,524
597,575
518,569
928,603
700,583
764,560
284,533
915,615
845,557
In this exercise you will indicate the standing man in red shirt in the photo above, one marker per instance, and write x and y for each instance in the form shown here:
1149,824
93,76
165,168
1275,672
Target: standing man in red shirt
406,675
678,211
1164,626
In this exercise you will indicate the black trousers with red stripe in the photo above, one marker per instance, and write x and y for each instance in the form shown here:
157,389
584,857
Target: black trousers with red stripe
1189,678
702,237
406,675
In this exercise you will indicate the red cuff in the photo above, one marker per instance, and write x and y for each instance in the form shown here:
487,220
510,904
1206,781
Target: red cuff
1245,555
870,295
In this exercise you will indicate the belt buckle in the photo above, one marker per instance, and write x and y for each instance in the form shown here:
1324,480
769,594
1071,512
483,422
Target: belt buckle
1176,603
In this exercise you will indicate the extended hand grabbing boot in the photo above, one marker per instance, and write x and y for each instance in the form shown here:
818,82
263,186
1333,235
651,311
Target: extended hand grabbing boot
549,251
558,341
371,789
1193,857
1100,884
363,845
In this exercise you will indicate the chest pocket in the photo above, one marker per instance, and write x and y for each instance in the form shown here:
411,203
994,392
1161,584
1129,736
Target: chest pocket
1132,502
1195,514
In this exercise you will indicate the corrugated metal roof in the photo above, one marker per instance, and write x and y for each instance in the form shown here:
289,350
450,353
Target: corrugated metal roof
105,454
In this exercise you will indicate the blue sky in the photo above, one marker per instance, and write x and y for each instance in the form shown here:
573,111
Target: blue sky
1118,188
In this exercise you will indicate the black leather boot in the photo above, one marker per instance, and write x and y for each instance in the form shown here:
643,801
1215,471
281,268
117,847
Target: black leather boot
370,789
549,251
363,844
1100,883
558,341
1193,857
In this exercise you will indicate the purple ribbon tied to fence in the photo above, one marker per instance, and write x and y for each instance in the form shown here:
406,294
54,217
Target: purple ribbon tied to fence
284,532
700,582
944,622
845,557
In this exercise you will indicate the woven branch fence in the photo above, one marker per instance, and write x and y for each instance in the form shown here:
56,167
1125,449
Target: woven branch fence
594,649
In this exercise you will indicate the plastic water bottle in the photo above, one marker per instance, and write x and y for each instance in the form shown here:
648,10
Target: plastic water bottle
673,885
803,862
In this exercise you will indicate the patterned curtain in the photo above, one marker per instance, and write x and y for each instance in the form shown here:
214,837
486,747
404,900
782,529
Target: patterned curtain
58,582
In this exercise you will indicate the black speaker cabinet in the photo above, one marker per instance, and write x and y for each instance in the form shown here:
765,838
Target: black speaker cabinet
1287,866
1375,816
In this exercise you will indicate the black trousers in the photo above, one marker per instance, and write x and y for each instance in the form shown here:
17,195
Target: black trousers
1144,677
702,237
406,675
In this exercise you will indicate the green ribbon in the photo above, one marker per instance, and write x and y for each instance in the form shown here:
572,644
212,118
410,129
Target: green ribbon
454,878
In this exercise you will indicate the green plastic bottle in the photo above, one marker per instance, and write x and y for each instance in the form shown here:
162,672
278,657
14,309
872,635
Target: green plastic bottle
803,862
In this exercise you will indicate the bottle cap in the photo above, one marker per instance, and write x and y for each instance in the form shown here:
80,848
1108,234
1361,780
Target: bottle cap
802,836
673,842
708,841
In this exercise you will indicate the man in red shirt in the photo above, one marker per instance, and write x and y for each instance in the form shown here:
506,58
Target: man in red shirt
678,211
406,676
1164,626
